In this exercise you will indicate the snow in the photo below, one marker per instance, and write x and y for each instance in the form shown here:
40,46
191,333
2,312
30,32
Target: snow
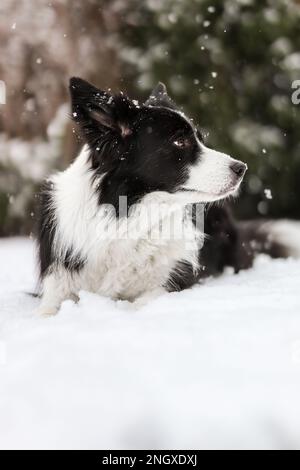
217,366
268,193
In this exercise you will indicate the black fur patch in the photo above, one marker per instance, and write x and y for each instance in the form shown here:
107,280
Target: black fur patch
139,148
225,245
152,162
46,234
46,229
73,263
182,277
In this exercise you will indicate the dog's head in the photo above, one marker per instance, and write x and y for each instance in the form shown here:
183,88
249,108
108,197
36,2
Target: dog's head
152,146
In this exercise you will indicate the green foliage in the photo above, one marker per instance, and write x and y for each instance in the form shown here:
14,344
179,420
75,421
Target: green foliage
230,65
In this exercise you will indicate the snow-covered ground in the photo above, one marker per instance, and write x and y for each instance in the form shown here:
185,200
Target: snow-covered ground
217,366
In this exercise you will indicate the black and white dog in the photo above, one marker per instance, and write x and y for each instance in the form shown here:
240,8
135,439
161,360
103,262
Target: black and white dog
96,229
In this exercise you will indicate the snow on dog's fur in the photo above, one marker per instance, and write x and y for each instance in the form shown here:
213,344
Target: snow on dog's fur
153,156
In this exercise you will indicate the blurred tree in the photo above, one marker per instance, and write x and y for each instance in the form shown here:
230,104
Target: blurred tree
230,64
42,44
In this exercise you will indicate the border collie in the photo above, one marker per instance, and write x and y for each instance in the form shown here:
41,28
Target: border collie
95,231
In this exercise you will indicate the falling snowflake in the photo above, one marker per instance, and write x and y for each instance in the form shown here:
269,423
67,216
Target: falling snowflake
268,193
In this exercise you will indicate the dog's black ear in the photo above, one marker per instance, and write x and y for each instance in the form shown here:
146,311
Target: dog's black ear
97,111
159,97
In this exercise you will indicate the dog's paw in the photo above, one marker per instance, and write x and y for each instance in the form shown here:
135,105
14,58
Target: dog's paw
147,298
45,311
140,302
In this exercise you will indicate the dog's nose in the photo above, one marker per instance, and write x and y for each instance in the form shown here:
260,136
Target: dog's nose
239,168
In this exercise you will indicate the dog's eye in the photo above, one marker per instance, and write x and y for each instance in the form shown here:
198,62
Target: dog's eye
181,142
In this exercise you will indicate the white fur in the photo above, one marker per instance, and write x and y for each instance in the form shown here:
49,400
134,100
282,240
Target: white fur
126,268
212,176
